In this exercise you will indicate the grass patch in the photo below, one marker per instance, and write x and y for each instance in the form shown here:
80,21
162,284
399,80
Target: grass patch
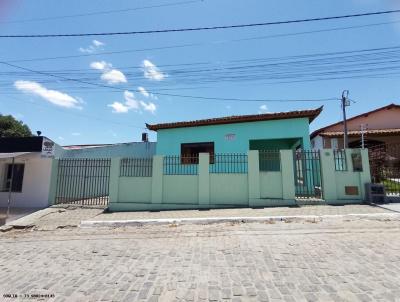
391,186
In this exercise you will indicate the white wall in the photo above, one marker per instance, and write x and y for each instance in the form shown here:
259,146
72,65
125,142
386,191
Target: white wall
35,186
317,143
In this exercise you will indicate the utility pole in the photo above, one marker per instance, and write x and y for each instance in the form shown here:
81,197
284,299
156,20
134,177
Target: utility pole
345,103
363,129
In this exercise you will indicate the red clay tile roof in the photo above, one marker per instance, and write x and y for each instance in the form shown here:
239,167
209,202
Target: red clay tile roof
377,132
310,114
365,114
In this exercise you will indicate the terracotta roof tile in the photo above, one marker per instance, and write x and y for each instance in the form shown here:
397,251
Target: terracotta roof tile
310,114
365,114
378,132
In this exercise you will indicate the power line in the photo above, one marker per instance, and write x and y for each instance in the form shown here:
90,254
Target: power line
81,115
192,29
165,94
102,12
379,50
205,43
317,64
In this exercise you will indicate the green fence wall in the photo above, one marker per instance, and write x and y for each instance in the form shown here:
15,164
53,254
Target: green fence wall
219,190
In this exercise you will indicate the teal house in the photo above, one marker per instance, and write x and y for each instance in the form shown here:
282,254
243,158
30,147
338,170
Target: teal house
236,134
235,161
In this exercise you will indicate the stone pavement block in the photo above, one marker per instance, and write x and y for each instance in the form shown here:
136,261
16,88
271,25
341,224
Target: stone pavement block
222,262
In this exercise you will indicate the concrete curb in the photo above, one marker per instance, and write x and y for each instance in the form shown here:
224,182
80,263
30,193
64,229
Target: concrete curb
29,220
214,220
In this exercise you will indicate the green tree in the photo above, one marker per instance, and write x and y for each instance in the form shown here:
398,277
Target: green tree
10,127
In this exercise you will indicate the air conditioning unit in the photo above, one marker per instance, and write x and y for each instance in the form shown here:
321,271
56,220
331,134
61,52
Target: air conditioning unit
375,193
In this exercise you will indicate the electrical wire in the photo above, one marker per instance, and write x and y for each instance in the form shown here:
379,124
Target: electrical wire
81,115
167,94
256,38
205,28
124,10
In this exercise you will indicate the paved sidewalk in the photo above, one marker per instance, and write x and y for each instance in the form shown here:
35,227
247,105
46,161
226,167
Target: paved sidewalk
319,210
16,213
395,207
58,217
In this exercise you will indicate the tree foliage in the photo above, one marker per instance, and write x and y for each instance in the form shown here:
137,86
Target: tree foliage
10,127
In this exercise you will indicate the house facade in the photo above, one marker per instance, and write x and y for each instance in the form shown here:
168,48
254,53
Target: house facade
237,161
236,134
379,126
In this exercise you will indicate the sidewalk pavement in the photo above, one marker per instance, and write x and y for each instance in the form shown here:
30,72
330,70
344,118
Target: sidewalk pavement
15,213
303,213
72,216
54,218
395,207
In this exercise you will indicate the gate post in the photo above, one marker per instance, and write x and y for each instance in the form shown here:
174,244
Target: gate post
204,179
329,191
53,182
288,183
114,179
157,179
253,176
365,175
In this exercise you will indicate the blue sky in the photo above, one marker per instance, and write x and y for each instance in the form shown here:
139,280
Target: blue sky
215,64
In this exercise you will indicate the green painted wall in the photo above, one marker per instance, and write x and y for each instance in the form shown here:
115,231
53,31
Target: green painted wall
229,189
180,189
219,190
169,140
135,189
271,185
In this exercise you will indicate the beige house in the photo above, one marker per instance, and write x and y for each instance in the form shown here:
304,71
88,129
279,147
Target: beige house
381,126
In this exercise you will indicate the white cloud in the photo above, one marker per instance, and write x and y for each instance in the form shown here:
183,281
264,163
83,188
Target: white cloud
118,107
147,94
151,107
109,75
130,100
131,103
53,96
61,138
113,77
152,72
143,92
93,47
100,65
97,43
263,109
75,134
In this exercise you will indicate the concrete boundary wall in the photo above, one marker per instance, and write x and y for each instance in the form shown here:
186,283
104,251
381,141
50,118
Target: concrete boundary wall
222,190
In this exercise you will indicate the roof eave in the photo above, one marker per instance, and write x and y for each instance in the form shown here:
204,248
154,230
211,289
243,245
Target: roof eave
310,114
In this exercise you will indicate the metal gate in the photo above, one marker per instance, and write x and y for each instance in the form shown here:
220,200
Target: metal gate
385,168
83,181
308,183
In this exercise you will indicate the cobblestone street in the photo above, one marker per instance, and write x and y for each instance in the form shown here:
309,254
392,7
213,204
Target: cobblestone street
335,260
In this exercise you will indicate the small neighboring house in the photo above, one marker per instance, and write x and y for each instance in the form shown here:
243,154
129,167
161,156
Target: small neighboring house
382,126
32,158
236,134
29,161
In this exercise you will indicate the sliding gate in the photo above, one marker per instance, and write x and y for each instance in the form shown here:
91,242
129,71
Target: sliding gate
83,181
307,166
385,168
